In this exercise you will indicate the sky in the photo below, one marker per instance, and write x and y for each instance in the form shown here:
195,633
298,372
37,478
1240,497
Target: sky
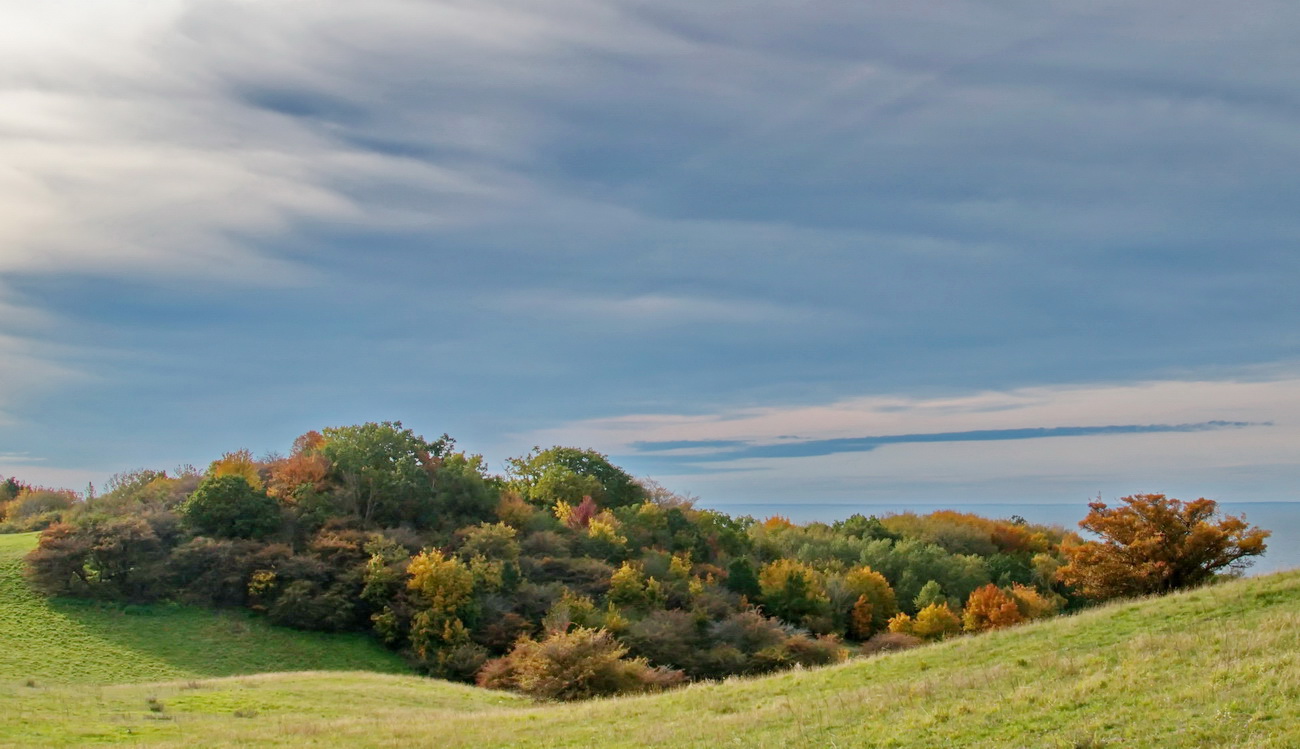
761,252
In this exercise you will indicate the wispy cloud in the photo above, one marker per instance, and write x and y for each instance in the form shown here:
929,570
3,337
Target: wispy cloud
725,450
731,219
1206,435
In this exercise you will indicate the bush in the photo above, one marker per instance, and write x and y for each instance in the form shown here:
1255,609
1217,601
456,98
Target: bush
31,502
216,571
668,638
574,665
303,604
115,558
990,608
889,642
933,622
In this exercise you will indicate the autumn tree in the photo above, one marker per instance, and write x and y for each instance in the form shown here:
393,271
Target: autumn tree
238,463
793,591
304,470
1156,544
442,588
873,601
990,608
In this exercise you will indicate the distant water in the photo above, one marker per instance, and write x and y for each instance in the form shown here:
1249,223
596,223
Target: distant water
1282,518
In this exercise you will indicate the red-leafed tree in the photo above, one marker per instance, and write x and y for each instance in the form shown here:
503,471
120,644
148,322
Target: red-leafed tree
1156,544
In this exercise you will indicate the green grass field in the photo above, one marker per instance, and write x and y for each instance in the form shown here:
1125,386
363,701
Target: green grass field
1218,666
72,642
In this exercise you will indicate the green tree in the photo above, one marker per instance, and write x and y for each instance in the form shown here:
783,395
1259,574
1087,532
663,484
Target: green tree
931,593
742,579
386,472
227,507
569,473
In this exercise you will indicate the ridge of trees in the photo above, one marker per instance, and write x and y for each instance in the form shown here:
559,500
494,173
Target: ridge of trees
568,578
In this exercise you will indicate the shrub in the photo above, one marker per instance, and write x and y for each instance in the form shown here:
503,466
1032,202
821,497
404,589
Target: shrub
990,608
303,604
888,642
114,558
31,502
668,638
935,622
1032,603
574,665
216,571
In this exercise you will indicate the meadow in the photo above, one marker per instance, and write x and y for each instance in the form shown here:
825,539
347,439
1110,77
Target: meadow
1216,666
67,641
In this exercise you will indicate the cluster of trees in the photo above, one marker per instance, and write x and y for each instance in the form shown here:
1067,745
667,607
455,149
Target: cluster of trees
25,508
563,578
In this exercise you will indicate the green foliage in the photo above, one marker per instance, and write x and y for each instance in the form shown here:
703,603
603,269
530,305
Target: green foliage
64,641
930,594
862,527
568,474
793,591
385,470
227,507
742,578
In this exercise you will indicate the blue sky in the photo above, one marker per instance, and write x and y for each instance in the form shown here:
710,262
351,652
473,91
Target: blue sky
757,251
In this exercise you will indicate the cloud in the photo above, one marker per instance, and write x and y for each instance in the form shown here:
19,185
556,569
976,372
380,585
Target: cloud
724,450
1231,435
659,207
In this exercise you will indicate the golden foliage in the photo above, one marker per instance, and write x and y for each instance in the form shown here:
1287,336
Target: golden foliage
442,586
238,463
1156,544
990,608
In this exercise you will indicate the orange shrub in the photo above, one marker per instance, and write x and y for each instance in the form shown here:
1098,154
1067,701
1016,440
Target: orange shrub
990,608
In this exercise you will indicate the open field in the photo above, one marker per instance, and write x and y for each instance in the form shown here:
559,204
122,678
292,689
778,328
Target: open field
1214,667
75,642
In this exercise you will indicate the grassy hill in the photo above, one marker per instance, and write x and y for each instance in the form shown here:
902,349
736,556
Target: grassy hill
75,642
1214,667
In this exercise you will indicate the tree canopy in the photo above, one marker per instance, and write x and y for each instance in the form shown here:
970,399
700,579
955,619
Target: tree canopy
1154,544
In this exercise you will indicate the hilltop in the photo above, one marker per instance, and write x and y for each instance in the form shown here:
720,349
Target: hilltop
1215,666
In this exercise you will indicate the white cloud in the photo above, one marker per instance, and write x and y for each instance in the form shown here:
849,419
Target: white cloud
1248,461
1155,402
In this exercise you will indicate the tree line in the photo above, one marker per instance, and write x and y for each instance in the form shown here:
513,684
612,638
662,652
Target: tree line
566,578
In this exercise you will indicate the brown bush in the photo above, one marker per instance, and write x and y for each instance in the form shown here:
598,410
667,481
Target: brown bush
888,642
574,665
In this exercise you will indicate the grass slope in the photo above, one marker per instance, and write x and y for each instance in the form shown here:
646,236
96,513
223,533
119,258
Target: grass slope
1214,667
74,642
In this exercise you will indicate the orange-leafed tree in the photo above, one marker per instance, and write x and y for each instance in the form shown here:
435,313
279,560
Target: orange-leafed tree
989,608
1156,544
